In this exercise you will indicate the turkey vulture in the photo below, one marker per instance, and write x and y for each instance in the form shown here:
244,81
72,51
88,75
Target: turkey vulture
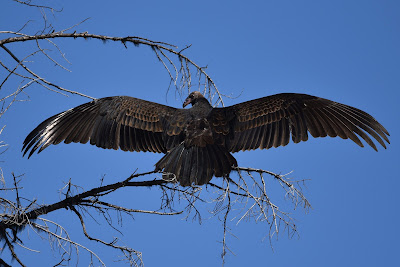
197,142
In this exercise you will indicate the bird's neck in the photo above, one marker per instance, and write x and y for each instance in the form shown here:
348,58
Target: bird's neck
201,108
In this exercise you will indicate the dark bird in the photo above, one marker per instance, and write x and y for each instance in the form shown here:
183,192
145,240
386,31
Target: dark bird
197,142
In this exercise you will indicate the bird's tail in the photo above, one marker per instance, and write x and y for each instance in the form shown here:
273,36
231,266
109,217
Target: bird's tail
196,165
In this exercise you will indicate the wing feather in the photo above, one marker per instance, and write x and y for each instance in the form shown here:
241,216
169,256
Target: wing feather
123,122
271,121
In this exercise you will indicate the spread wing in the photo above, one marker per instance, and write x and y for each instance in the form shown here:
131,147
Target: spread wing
123,122
271,121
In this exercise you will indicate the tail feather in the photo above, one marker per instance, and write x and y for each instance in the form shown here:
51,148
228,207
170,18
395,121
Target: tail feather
212,162
216,162
201,172
226,162
196,165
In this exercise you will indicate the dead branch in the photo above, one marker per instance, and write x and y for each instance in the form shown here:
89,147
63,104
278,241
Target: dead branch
28,3
255,200
14,217
160,49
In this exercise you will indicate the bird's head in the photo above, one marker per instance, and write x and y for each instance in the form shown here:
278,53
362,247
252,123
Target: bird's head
192,98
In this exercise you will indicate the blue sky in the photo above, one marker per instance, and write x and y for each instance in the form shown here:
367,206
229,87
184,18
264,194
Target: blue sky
346,51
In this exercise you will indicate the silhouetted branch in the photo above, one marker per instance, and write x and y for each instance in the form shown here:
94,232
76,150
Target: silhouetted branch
14,217
29,3
254,199
160,49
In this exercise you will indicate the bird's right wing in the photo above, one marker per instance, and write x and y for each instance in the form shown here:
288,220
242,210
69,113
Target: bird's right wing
124,122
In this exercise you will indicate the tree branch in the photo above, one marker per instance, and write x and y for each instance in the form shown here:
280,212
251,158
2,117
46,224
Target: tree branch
156,46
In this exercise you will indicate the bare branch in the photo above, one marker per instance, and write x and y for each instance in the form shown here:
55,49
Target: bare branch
156,46
40,78
28,3
126,250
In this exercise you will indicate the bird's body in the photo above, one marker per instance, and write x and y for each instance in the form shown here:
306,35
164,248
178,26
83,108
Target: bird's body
198,142
202,152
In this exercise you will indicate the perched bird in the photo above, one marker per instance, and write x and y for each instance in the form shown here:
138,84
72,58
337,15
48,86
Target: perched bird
197,142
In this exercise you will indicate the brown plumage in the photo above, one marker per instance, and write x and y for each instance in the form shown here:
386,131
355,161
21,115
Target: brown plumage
197,142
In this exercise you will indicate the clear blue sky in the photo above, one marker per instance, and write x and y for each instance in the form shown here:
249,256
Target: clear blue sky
347,51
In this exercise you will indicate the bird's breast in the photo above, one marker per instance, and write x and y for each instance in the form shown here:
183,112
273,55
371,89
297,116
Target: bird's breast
198,133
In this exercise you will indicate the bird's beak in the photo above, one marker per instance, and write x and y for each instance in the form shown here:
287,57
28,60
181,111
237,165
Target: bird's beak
187,102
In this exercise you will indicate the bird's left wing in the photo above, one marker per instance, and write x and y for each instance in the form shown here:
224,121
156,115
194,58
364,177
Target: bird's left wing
271,121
